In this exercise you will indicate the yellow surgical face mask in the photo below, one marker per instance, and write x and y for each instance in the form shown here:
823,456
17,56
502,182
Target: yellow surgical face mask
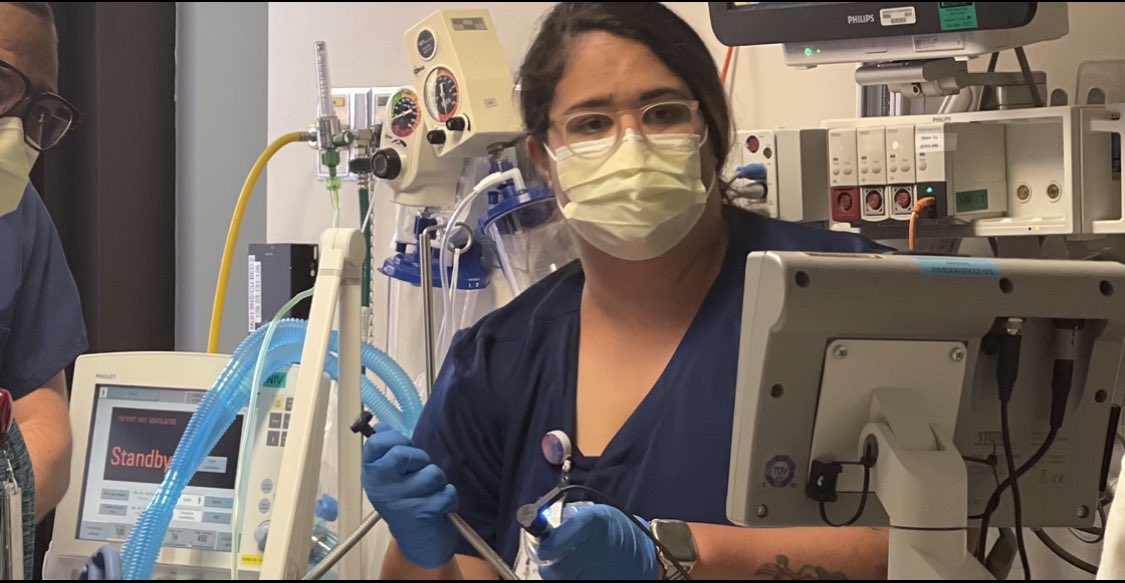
638,202
16,160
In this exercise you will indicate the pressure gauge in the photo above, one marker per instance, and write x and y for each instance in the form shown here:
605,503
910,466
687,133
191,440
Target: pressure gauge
443,96
404,113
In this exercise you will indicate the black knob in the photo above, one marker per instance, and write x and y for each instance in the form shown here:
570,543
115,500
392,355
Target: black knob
436,137
362,424
386,164
457,124
360,165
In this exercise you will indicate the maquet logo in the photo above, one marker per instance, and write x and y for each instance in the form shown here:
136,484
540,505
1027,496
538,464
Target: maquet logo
861,19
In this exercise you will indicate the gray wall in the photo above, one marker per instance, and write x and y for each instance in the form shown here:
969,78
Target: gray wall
222,54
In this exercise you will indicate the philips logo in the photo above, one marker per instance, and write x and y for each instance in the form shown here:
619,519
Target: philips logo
861,19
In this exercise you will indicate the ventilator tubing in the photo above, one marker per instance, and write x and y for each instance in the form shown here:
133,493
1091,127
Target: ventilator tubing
229,395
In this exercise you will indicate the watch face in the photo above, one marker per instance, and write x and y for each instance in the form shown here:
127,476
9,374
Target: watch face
677,538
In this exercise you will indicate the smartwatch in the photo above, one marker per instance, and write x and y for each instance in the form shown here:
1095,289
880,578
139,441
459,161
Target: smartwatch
676,537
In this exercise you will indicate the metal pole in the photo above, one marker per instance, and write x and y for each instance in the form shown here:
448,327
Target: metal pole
343,547
482,547
425,256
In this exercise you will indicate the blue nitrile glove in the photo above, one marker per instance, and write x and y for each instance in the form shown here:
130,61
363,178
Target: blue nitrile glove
597,542
752,172
413,496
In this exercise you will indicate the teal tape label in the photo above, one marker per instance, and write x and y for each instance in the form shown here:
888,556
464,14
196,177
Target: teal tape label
957,15
275,381
959,267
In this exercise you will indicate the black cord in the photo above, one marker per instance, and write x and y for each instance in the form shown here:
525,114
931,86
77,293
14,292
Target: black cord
1104,517
1077,533
1008,346
633,519
981,461
1061,383
994,501
1063,554
1017,504
867,462
989,461
862,502
1097,532
1028,78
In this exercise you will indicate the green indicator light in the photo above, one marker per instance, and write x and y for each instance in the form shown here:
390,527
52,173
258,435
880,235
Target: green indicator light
808,52
930,190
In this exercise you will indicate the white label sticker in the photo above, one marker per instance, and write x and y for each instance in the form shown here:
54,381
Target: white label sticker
898,16
930,140
255,295
936,42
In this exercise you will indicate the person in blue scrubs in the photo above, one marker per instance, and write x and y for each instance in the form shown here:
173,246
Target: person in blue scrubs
632,351
41,326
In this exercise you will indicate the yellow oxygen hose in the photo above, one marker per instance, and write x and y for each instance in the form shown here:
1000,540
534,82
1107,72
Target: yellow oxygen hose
232,234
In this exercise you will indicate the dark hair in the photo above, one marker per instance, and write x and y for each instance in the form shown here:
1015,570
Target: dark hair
40,9
652,24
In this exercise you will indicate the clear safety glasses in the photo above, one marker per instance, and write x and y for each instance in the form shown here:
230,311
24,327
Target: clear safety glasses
596,134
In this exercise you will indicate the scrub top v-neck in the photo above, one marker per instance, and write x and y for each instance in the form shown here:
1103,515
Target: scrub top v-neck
655,406
512,378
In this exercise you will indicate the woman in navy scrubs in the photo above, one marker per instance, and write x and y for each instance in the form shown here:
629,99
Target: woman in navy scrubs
632,351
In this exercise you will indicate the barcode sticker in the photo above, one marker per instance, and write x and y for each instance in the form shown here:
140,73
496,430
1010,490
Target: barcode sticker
255,295
898,16
938,42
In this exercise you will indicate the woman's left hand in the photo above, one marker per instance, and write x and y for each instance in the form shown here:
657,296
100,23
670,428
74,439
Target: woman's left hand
598,542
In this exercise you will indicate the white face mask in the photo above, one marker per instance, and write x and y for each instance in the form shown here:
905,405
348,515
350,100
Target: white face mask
639,202
16,160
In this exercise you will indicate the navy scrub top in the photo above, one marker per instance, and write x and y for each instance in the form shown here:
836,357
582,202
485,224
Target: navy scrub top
41,326
512,378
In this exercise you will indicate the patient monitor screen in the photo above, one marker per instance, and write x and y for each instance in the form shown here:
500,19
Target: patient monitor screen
133,436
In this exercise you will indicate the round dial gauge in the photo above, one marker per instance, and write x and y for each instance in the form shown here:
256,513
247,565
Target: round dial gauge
404,113
443,96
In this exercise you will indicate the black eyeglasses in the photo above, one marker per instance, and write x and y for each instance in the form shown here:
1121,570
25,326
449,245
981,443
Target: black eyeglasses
47,117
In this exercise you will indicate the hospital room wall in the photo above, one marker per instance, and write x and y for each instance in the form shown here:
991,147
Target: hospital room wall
366,49
220,130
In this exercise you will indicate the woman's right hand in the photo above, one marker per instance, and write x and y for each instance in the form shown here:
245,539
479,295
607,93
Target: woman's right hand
412,495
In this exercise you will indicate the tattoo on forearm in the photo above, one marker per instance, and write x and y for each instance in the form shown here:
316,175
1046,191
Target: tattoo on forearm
781,570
